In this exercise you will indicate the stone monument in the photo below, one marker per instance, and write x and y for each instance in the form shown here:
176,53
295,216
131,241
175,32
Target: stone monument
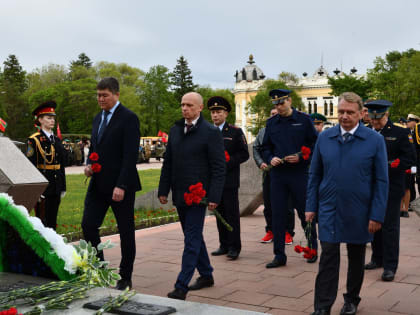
18,177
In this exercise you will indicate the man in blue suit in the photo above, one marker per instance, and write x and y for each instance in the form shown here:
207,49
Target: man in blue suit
195,153
115,139
348,190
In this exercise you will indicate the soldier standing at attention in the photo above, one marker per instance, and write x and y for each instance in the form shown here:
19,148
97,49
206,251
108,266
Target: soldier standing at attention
46,152
284,137
236,152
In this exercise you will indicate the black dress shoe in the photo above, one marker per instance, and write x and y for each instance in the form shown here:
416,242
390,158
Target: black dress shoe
348,309
404,214
388,275
220,251
321,312
275,263
372,265
233,254
202,282
410,209
312,260
122,284
177,294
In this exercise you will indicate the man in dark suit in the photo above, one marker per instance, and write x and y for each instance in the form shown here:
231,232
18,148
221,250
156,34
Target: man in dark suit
115,139
236,151
386,241
194,154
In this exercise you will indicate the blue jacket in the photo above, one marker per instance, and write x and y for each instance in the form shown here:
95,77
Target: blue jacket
348,184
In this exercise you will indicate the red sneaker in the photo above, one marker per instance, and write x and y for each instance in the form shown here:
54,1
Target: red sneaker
268,237
288,239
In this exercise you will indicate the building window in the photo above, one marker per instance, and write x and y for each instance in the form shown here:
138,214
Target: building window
331,109
309,108
315,107
325,108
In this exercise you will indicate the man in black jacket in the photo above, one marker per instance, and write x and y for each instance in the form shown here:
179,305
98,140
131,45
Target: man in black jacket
385,245
194,154
236,152
115,140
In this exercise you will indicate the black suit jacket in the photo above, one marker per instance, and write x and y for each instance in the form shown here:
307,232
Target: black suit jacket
236,146
197,156
118,151
398,146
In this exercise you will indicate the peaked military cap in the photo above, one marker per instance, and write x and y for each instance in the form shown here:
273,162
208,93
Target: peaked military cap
412,117
218,102
277,95
402,120
318,118
47,108
377,108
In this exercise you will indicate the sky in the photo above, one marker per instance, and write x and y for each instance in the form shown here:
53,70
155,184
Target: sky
216,37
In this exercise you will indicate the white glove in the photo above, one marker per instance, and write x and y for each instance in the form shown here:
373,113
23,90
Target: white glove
63,193
413,169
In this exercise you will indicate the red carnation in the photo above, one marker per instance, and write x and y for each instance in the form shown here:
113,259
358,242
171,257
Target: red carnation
408,171
196,199
201,193
395,163
227,156
94,156
96,167
298,249
188,198
306,152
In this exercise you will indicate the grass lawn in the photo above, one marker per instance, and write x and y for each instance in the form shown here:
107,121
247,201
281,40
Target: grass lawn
71,207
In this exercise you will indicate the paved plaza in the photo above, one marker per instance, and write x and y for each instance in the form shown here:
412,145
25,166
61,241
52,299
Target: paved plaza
247,284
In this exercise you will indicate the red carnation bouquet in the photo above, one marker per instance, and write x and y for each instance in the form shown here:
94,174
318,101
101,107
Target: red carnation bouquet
196,195
308,251
304,152
227,156
408,171
96,167
10,311
395,163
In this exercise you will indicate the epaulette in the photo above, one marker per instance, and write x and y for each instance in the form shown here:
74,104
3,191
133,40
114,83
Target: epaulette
399,125
34,135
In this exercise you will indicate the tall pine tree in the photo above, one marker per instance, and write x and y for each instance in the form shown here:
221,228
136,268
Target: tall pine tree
13,84
82,60
181,79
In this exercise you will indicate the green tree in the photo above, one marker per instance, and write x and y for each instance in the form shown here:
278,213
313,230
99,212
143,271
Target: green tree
13,85
396,77
207,92
350,83
181,79
82,60
260,105
160,106
288,78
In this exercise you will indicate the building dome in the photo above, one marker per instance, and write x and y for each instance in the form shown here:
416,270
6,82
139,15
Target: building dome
250,72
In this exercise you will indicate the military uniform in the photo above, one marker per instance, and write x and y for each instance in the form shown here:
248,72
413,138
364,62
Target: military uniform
48,156
385,245
285,136
237,150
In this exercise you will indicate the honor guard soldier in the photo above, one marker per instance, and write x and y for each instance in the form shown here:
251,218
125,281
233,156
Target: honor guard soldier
284,137
319,121
385,245
46,152
236,152
413,123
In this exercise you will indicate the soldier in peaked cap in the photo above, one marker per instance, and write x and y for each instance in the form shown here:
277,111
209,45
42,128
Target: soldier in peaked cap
284,137
236,152
46,152
385,245
413,125
318,120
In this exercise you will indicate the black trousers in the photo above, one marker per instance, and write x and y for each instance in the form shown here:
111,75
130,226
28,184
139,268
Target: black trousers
268,214
326,283
51,204
96,206
229,209
412,186
386,241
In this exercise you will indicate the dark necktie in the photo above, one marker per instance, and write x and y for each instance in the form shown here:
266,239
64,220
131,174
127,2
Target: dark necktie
189,126
346,136
52,139
103,125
